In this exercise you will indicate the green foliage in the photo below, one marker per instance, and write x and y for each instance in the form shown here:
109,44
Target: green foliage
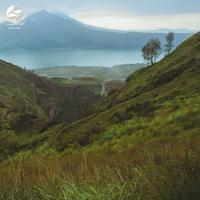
151,51
89,84
119,72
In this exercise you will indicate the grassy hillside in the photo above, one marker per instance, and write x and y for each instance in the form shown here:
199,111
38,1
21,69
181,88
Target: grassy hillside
154,170
140,143
102,73
157,101
98,87
20,92
28,102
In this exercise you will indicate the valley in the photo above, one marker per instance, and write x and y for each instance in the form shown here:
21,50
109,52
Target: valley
61,138
117,72
28,100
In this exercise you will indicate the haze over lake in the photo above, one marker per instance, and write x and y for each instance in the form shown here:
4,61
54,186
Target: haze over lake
77,57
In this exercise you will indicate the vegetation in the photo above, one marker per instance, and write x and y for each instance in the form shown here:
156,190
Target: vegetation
159,169
29,103
170,39
93,85
119,72
141,142
151,51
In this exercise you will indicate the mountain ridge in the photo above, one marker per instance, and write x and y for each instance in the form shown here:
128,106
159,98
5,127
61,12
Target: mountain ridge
45,30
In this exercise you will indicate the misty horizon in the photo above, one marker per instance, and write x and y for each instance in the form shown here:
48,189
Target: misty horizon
127,15
158,30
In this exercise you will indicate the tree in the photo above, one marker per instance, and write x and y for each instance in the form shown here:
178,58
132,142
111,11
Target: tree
168,47
151,51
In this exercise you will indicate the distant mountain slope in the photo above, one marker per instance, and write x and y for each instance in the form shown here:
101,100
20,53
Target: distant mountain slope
119,72
157,101
97,87
45,30
29,102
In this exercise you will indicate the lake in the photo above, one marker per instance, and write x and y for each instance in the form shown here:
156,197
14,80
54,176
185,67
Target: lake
77,57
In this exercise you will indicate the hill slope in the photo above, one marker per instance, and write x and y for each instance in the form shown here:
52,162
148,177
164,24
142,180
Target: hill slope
119,72
142,142
28,101
157,101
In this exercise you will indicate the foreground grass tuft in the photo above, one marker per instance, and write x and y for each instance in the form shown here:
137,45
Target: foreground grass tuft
158,170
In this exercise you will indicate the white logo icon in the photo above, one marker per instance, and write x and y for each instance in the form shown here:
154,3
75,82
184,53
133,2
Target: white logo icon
15,13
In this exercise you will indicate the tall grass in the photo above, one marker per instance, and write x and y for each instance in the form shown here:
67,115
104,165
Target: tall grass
163,169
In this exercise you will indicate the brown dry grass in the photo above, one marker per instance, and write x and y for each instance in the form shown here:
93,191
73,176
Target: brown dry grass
163,169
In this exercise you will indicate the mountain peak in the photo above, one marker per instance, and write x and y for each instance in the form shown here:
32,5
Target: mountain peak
40,15
42,12
49,30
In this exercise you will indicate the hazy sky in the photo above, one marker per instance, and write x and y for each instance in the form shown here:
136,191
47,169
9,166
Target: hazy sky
119,14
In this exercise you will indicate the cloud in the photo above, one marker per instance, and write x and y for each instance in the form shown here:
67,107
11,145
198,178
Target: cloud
3,17
145,22
119,14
